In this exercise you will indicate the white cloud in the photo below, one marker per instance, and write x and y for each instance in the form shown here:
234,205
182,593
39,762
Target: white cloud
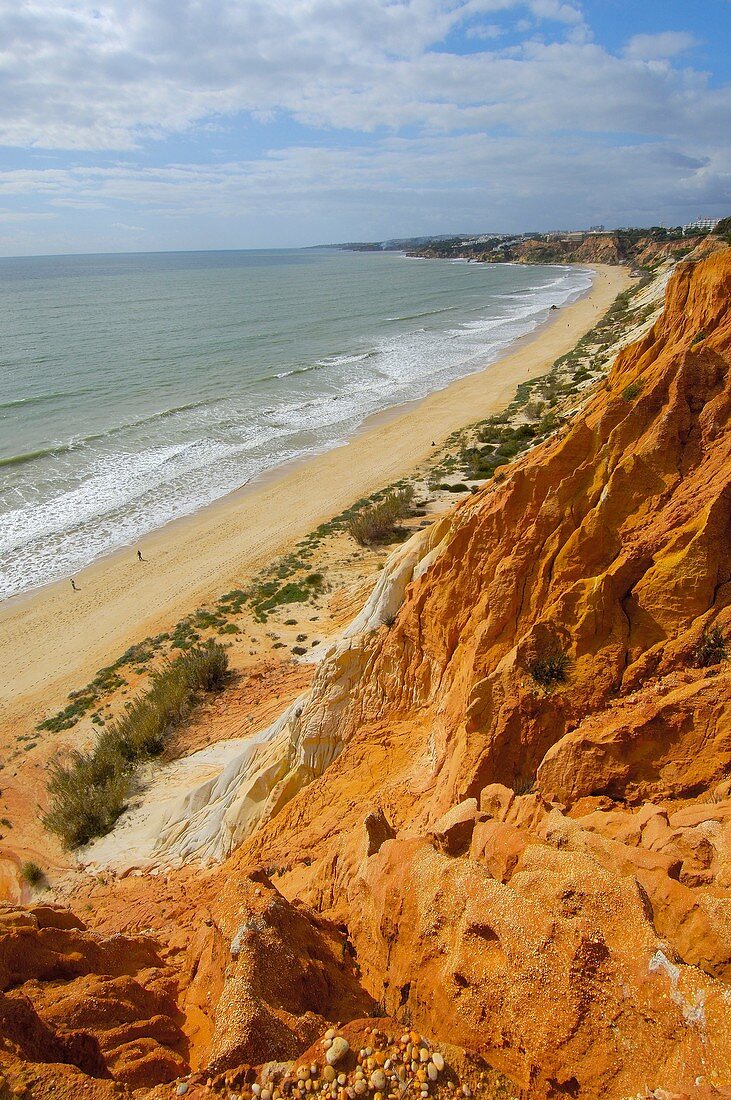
553,124
78,76
468,178
659,47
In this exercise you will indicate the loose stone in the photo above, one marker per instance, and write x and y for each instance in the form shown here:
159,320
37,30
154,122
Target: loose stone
329,1074
338,1050
378,1080
438,1060
432,1071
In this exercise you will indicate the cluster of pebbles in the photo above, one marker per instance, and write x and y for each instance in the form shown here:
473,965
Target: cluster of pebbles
386,1069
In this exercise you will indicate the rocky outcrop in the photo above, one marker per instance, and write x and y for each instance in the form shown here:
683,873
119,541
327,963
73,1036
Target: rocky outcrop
104,1005
610,546
622,247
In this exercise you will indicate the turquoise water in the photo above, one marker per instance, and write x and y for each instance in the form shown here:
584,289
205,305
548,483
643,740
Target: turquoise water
135,389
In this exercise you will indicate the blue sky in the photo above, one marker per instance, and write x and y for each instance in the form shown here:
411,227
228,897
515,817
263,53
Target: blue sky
131,125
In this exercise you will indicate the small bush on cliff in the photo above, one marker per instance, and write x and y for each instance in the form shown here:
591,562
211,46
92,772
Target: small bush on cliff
91,789
549,670
723,229
711,649
629,393
377,522
31,873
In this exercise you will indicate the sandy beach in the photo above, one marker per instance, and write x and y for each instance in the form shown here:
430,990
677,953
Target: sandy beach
53,640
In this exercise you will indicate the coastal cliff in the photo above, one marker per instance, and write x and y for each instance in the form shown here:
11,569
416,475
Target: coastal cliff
622,247
499,820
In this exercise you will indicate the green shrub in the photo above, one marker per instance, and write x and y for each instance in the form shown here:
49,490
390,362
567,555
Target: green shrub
377,522
204,668
711,649
91,789
86,799
509,448
629,393
723,229
549,670
31,873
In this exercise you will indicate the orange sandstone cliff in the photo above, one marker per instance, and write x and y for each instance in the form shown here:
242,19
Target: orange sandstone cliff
535,876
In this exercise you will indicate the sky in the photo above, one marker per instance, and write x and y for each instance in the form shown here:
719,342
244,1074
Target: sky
145,125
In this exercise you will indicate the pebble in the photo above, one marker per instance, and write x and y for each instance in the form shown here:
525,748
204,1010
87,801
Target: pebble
378,1080
256,1089
432,1072
181,1089
423,1055
265,1094
330,1033
438,1060
360,1087
329,1074
337,1050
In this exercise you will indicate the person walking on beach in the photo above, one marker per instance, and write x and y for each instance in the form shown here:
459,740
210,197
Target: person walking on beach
73,585
139,556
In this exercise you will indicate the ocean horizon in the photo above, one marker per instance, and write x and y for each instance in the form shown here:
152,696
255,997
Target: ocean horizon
137,388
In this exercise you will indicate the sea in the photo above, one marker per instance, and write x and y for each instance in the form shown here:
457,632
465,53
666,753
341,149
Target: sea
136,389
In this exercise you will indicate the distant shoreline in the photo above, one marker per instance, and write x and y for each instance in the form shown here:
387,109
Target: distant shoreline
53,641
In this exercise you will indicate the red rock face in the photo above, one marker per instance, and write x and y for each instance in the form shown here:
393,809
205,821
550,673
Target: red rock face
106,1006
537,874
610,544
